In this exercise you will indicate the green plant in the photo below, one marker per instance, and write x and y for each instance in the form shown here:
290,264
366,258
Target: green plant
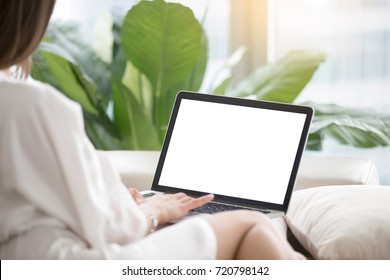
350,126
127,97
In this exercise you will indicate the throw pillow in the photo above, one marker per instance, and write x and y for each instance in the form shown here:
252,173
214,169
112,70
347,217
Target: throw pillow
342,222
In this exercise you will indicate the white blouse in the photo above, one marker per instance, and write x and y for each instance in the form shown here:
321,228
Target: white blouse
59,198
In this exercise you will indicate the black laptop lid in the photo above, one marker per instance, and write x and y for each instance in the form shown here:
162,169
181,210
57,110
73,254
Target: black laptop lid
244,151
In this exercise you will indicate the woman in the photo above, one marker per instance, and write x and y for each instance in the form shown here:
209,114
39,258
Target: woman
59,198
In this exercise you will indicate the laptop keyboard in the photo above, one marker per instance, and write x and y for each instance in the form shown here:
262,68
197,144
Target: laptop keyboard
148,194
212,207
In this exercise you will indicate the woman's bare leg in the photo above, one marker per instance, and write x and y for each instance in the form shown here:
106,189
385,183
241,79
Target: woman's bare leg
249,235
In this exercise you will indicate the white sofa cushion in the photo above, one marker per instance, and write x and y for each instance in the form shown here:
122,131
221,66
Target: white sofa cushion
342,222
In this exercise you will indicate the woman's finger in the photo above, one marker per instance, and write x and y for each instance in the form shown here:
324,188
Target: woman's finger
200,201
136,195
179,195
186,199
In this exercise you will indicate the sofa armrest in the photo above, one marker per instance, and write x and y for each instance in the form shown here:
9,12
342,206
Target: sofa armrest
318,170
137,169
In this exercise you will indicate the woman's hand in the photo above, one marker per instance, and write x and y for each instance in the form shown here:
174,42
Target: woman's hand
169,207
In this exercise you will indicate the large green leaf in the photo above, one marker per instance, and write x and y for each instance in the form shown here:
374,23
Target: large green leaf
356,127
192,83
195,78
67,37
162,40
68,77
135,129
140,86
98,135
54,65
283,80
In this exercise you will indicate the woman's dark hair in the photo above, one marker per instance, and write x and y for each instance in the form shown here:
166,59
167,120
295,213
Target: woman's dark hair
23,23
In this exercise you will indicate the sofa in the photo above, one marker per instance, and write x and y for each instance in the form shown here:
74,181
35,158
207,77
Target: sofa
338,209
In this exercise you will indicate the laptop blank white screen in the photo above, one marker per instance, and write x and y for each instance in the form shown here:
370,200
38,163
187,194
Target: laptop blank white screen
232,150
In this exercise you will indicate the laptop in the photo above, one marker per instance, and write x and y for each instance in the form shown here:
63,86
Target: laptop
245,152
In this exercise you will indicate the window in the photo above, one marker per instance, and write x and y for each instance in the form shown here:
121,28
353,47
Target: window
355,34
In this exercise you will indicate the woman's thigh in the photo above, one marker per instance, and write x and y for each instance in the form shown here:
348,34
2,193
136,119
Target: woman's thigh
249,235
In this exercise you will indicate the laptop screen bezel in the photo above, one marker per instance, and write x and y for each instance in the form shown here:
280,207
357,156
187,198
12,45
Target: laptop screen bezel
307,111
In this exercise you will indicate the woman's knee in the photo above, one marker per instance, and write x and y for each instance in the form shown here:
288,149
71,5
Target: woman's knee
249,217
239,221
